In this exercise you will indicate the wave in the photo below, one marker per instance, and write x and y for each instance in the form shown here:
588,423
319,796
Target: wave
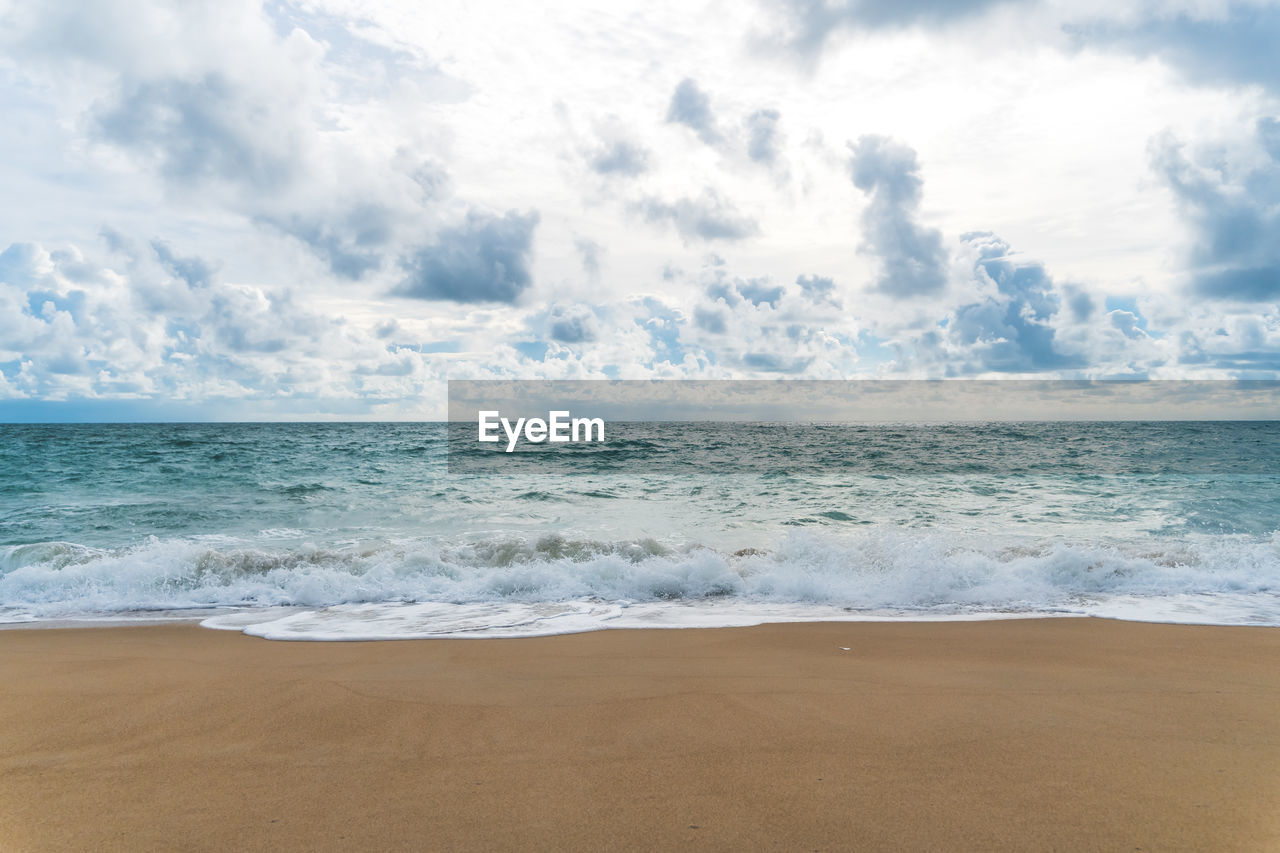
490,585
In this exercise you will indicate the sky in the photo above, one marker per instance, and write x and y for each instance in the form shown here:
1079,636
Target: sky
238,210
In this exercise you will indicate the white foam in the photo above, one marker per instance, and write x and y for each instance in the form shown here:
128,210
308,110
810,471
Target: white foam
522,587
498,620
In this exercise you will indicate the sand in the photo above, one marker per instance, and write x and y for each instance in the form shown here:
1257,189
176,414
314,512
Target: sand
1068,734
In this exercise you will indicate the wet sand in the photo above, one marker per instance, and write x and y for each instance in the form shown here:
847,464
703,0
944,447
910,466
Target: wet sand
1068,734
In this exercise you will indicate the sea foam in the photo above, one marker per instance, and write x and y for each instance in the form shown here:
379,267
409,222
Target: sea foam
516,586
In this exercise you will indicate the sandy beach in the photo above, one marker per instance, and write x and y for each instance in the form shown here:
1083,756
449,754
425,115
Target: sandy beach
1064,734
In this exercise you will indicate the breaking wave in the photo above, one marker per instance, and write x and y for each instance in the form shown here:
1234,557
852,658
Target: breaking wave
553,584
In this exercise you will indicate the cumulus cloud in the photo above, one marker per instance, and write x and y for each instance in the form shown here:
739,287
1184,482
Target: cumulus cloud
746,326
591,254
200,93
484,259
1079,302
619,157
691,107
912,260
774,362
237,105
1247,345
708,217
764,140
1233,203
1010,329
760,291
572,324
806,25
210,128
351,243
167,328
274,144
711,319
196,272
818,289
1232,43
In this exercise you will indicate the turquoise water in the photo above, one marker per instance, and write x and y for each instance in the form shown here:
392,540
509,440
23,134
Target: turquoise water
354,530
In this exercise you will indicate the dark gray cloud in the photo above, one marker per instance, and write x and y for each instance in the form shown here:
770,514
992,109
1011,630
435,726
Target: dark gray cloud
196,272
771,362
764,140
808,24
202,129
620,157
714,320
485,259
758,291
708,217
572,325
1012,331
352,245
1235,211
818,289
1081,303
691,107
912,260
1236,48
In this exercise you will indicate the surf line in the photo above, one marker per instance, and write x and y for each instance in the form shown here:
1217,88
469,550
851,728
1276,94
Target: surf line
559,426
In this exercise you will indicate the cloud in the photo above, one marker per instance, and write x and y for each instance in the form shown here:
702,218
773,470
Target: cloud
1248,345
196,272
1269,135
818,289
572,325
198,93
1080,303
1232,201
912,260
1233,44
1011,329
691,107
351,243
714,320
237,105
210,128
708,217
772,362
167,329
806,25
485,259
759,291
764,140
756,291
619,157
591,253
432,179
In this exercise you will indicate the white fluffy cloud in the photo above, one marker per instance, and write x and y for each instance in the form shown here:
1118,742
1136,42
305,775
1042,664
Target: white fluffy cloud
330,206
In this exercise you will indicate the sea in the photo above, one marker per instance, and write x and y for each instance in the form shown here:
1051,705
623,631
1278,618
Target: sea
367,531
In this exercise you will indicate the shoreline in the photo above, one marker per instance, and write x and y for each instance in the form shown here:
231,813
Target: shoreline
1002,734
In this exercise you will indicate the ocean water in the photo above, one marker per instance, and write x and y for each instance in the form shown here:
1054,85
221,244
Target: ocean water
366,531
